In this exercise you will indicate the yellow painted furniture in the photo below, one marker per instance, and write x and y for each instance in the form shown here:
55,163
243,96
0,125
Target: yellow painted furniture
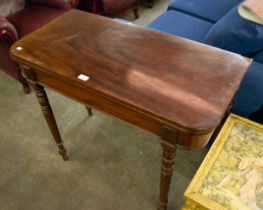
231,176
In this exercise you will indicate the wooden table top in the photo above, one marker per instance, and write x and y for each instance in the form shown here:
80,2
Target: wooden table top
180,82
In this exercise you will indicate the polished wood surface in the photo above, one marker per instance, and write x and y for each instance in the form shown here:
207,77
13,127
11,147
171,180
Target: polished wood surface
181,82
172,87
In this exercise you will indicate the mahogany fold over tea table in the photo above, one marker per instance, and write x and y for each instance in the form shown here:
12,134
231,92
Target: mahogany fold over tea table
172,87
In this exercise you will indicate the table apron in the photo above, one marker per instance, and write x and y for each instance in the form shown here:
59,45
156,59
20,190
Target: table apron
122,111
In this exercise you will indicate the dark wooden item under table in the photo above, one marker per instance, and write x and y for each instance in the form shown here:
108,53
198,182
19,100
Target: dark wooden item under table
172,87
150,3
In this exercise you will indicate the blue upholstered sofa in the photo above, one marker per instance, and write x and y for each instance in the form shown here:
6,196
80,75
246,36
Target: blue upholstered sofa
217,23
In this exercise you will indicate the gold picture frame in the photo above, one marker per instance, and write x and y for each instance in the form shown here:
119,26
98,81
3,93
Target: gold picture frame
244,132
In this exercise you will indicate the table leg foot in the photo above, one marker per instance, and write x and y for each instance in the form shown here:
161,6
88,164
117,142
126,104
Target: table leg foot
161,206
89,110
63,154
168,159
50,119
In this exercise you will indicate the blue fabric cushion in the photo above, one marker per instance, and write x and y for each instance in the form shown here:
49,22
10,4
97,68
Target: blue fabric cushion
235,34
249,98
259,57
211,10
181,24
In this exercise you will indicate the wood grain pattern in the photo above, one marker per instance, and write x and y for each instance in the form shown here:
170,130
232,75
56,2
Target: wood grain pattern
178,81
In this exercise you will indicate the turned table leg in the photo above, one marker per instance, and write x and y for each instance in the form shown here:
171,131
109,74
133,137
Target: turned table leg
50,119
22,80
136,14
168,160
150,3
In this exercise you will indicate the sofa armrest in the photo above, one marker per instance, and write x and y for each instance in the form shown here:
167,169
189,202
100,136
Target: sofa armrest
8,31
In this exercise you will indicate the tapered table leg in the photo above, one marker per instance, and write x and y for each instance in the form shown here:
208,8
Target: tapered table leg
150,3
168,160
89,110
50,119
136,13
